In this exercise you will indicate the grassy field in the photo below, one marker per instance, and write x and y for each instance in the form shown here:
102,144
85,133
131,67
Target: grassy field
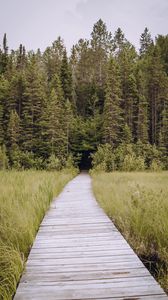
24,199
138,205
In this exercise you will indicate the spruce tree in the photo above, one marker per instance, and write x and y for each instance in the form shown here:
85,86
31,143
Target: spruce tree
163,136
57,131
131,104
1,123
32,106
142,114
66,77
119,40
13,130
145,41
4,111
112,111
4,55
157,85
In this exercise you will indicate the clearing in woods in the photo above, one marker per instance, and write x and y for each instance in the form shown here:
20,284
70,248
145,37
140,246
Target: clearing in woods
79,254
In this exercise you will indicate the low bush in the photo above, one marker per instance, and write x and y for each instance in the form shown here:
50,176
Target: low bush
128,157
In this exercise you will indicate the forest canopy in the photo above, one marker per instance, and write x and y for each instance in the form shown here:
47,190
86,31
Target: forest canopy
105,96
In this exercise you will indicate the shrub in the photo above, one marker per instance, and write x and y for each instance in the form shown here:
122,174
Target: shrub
53,163
129,157
26,160
156,165
104,158
133,163
3,158
69,164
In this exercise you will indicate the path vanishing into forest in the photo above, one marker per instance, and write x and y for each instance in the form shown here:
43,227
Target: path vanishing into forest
79,254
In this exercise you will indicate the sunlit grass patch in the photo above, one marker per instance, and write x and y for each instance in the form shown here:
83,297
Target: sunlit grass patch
138,205
24,198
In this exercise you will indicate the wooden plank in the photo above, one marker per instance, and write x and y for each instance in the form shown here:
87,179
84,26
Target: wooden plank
79,254
89,275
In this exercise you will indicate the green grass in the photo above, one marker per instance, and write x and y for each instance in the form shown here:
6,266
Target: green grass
138,205
24,198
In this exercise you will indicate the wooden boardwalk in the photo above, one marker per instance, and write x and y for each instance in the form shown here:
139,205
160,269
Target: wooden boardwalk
79,254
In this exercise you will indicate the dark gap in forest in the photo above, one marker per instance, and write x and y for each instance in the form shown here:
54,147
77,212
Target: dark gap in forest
86,160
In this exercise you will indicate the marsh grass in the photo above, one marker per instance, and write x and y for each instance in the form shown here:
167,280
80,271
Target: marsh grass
24,198
138,205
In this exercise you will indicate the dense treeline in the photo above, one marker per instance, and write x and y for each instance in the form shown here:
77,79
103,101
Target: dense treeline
53,107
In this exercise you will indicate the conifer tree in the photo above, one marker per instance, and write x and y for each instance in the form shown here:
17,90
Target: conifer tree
1,123
112,111
13,130
68,123
4,55
66,78
53,105
4,113
157,92
56,127
145,41
119,40
163,136
142,114
131,104
32,106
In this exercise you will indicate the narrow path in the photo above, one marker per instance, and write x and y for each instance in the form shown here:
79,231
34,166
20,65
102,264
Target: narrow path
79,254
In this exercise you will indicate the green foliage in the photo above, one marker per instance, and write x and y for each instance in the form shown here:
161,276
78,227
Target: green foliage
53,163
3,158
104,158
145,41
128,157
133,163
137,204
112,112
105,92
156,165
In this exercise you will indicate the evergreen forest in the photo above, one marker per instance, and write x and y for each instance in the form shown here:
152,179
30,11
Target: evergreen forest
104,102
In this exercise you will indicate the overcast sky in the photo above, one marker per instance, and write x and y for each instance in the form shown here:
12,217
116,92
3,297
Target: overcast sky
37,23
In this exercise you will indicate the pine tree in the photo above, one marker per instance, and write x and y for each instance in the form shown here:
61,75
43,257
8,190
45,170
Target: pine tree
145,41
4,113
163,135
157,92
4,56
3,158
13,131
112,112
119,40
131,104
125,59
57,131
1,123
66,78
100,47
54,122
142,114
68,123
52,58
162,43
32,107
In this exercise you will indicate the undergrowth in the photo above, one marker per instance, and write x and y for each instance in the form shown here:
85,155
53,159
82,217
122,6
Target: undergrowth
138,205
24,198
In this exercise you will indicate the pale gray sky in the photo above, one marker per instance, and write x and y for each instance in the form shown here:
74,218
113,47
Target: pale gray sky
37,23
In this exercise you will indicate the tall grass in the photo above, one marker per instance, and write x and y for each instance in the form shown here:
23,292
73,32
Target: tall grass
138,205
24,199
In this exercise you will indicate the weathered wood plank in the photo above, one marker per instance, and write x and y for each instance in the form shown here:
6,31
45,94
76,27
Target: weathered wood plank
88,275
79,254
